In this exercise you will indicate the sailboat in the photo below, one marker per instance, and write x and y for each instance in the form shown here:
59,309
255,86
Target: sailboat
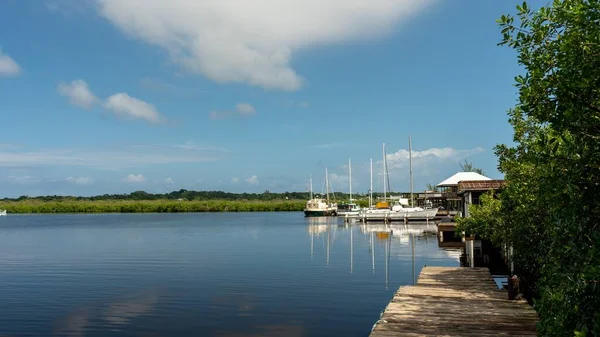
381,209
350,208
385,212
320,206
400,212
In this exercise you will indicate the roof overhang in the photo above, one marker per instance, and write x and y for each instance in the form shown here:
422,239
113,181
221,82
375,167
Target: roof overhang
479,185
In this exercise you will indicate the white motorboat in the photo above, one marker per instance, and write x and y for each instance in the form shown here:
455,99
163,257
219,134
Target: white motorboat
2,212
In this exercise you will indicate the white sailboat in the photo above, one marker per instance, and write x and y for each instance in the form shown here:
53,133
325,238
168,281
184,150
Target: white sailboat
397,212
382,208
320,206
351,208
400,212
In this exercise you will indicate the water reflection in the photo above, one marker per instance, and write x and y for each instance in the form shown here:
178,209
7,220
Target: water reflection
74,324
118,313
391,238
122,312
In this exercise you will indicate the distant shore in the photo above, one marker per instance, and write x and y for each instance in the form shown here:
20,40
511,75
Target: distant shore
150,206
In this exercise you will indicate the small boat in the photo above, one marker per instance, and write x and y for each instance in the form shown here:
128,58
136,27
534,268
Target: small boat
320,206
2,212
350,208
399,212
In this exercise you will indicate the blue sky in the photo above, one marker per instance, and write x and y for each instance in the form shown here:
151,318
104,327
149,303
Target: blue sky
102,96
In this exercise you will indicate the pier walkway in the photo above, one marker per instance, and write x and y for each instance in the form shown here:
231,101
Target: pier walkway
455,301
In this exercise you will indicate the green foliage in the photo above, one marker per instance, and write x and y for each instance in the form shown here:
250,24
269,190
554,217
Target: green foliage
148,206
468,167
550,207
431,187
183,194
176,201
484,219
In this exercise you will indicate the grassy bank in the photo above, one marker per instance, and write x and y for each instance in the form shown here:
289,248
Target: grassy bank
149,206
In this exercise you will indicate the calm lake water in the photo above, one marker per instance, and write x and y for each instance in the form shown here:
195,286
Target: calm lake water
224,274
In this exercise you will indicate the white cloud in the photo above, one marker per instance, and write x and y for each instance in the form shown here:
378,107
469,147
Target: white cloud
134,178
169,181
242,109
428,166
109,158
80,180
195,147
252,180
400,158
331,145
163,87
78,93
235,180
8,66
245,109
219,115
126,106
340,182
67,7
334,177
293,103
23,179
252,42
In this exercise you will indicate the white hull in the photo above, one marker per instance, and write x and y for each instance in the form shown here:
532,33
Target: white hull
2,212
353,213
399,215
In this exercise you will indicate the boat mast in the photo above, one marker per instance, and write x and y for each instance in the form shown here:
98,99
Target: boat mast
327,184
384,180
311,189
371,189
350,176
387,174
412,204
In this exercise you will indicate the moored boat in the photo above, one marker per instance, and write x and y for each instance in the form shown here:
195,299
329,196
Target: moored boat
383,211
320,206
2,212
350,208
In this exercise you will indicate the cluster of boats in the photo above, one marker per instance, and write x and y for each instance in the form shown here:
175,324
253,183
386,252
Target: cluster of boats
383,210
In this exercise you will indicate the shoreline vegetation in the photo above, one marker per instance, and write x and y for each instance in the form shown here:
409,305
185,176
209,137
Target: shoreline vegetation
181,201
150,206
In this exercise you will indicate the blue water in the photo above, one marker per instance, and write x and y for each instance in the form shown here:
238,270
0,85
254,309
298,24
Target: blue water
223,274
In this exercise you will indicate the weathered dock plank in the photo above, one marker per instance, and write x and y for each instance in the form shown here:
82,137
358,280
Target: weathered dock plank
450,301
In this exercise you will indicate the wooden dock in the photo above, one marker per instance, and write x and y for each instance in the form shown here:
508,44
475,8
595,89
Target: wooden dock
455,301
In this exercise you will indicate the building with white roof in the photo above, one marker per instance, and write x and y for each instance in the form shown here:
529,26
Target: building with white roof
462,176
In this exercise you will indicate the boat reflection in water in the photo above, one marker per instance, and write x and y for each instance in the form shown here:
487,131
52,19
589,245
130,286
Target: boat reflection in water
382,239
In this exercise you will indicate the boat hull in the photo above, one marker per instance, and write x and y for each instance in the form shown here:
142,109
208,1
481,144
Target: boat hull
311,213
348,213
389,215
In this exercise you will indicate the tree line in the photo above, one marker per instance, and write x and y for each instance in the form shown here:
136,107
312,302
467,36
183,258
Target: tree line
549,210
184,194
